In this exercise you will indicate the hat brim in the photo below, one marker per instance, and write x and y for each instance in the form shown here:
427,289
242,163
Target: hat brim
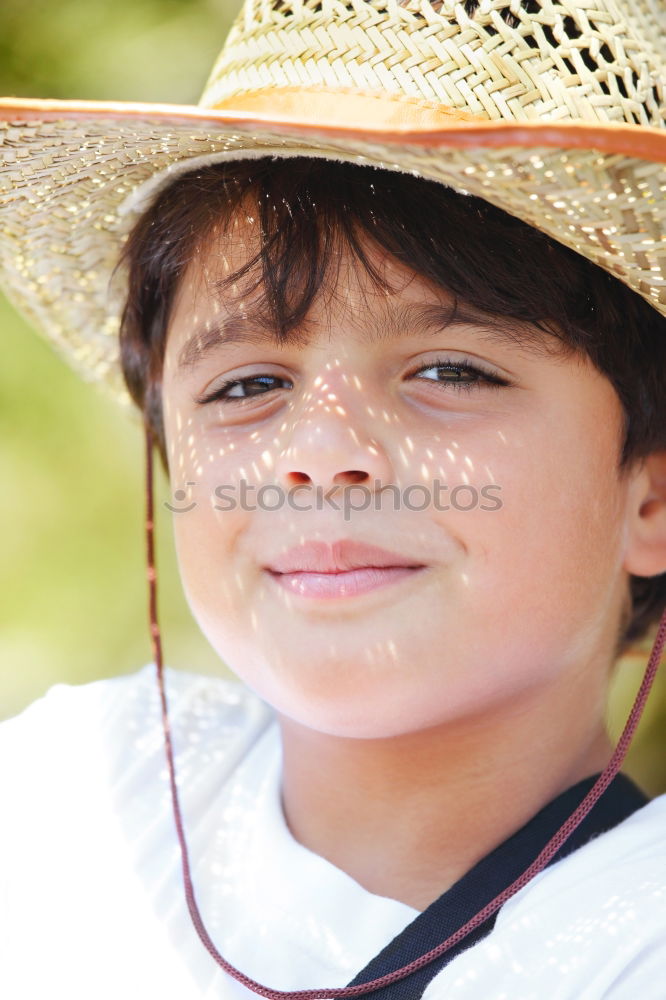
74,175
343,114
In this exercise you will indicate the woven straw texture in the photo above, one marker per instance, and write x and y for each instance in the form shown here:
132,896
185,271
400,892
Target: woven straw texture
68,187
514,59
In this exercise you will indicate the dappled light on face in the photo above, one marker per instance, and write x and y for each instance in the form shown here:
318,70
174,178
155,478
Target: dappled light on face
383,652
311,420
403,458
329,418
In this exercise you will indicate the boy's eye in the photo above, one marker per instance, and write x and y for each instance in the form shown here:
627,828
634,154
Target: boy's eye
238,390
460,375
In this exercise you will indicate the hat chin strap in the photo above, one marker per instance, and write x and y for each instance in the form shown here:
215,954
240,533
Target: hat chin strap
539,863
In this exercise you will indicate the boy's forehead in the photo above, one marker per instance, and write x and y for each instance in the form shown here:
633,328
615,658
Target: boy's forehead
217,307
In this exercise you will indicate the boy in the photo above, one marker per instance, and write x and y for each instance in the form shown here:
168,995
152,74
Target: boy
431,675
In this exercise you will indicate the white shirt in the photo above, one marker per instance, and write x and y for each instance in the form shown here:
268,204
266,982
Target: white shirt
92,904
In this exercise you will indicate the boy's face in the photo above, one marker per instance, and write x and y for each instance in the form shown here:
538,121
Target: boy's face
522,581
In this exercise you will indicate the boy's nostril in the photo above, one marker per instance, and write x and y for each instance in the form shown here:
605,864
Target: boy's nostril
352,475
299,478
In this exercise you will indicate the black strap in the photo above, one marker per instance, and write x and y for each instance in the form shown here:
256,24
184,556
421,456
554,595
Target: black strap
487,879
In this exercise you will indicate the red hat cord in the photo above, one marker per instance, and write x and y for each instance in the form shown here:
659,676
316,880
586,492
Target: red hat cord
539,863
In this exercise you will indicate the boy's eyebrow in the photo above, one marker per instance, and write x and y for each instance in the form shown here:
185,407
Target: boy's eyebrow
410,320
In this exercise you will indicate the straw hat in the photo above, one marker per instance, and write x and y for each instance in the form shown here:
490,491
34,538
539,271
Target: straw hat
553,110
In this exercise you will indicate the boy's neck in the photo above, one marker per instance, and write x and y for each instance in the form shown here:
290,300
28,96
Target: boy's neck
407,817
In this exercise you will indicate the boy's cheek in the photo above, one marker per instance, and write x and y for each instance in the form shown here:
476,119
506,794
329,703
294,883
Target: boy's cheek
555,536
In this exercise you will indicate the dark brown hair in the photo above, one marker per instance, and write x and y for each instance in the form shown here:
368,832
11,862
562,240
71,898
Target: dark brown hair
308,208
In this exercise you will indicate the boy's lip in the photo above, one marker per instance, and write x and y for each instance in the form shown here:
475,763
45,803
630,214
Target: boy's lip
337,557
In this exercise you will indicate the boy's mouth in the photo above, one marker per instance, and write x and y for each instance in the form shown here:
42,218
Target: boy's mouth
339,569
348,583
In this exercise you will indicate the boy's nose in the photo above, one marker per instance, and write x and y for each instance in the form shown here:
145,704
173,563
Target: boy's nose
329,448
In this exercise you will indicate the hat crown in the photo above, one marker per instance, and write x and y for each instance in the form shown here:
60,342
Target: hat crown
517,60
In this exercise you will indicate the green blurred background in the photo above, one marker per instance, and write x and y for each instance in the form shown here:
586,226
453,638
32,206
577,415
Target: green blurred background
72,574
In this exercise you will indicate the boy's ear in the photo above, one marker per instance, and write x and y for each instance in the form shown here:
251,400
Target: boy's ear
646,538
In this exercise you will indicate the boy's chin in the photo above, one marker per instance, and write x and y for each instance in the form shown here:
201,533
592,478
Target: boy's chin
363,706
